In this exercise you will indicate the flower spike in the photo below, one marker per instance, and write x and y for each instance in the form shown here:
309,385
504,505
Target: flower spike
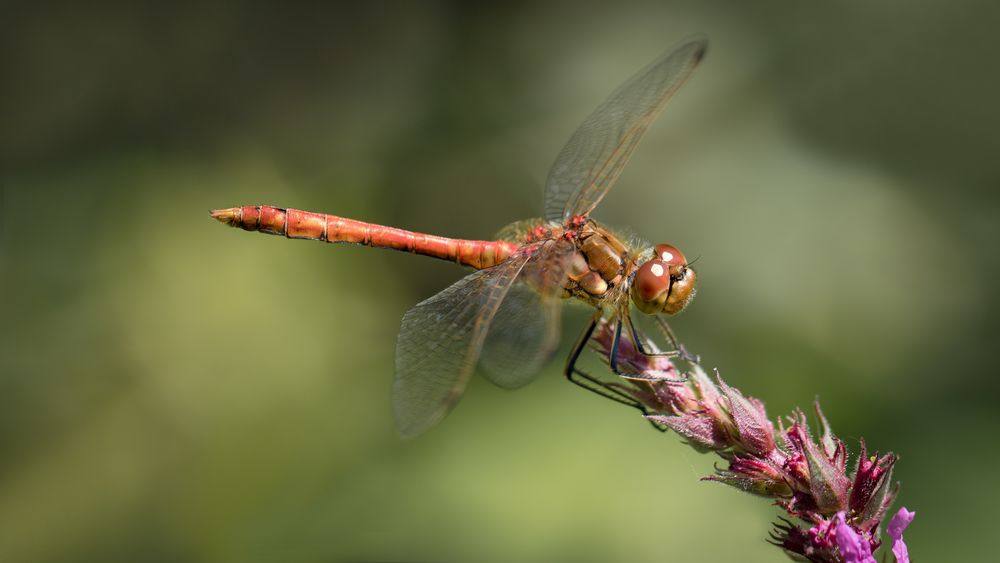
838,513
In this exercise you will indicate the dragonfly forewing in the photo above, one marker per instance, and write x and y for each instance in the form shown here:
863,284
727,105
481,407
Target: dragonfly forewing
440,341
593,158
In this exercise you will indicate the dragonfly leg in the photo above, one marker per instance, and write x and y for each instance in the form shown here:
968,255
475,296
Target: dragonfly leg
678,351
636,337
595,385
684,354
613,359
639,338
589,382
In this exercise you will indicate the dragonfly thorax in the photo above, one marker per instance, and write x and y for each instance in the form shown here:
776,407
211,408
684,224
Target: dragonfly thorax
600,267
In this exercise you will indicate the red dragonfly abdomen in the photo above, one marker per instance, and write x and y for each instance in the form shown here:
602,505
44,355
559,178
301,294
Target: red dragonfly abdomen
293,223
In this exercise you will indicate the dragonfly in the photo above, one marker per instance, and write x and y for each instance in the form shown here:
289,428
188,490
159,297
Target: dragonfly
504,317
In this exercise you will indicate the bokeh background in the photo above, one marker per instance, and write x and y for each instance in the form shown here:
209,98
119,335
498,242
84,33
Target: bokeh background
172,390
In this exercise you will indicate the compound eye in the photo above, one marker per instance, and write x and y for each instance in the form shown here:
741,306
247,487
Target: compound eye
652,281
670,254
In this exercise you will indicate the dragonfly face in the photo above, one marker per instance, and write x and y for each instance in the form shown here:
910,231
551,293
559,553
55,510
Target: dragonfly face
664,283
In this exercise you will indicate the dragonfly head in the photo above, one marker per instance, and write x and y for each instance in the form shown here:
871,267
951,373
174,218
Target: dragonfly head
664,283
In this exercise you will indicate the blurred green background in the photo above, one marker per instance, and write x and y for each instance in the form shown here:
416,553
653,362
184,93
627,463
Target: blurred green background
172,390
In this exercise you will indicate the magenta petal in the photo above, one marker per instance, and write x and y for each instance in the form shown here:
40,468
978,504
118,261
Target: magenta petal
895,529
756,433
852,546
828,484
697,429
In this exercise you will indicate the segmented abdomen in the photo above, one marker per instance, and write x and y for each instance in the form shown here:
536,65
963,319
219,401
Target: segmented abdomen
294,223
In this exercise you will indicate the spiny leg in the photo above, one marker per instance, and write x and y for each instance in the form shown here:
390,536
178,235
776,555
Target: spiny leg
678,349
613,360
594,384
589,382
636,337
684,354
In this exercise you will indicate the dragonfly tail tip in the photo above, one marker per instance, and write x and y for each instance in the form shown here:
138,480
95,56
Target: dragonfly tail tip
228,216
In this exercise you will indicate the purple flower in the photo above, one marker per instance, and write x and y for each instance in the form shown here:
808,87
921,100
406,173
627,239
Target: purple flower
872,492
837,511
752,431
853,547
827,481
899,523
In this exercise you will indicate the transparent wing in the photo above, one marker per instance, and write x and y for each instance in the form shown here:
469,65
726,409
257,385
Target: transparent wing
440,340
518,231
590,163
525,330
